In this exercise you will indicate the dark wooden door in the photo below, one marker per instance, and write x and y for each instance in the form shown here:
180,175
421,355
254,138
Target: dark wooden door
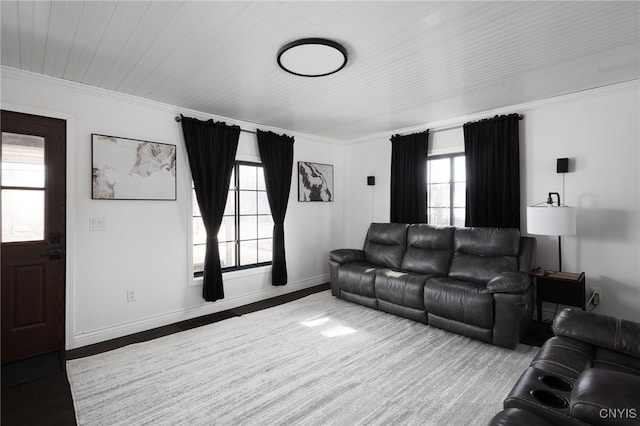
33,204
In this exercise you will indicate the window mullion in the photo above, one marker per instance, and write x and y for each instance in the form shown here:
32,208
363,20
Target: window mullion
451,190
236,193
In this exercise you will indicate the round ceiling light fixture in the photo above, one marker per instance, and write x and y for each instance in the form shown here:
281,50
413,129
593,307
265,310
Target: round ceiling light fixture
312,57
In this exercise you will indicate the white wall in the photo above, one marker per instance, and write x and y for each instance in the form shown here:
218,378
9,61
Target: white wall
599,130
145,243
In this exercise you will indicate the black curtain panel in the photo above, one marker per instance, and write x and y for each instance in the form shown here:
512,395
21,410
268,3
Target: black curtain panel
492,156
409,178
211,148
276,153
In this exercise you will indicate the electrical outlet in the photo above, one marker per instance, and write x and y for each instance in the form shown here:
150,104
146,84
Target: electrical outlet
314,261
131,295
596,292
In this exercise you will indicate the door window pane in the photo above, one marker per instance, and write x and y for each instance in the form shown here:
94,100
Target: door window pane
22,215
22,160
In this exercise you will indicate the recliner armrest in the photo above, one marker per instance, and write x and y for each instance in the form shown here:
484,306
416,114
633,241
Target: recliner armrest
347,255
509,282
606,397
600,330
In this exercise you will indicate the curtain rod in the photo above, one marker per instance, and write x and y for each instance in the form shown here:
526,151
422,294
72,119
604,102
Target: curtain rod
440,129
179,119
457,126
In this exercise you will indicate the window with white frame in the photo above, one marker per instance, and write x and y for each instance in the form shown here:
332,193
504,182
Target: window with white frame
246,234
446,189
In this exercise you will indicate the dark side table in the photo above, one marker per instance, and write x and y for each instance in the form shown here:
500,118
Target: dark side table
565,288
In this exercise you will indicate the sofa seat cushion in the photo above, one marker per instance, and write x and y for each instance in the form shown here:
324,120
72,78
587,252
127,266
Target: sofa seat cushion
358,278
463,301
401,288
565,356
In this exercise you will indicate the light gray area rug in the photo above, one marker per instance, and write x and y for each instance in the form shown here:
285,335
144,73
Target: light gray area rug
315,361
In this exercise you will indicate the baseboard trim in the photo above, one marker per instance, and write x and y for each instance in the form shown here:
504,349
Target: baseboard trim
90,337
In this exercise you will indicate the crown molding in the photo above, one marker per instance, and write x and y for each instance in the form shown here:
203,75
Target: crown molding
453,121
519,108
85,89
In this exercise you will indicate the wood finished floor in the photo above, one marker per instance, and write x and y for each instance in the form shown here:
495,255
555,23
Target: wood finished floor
47,401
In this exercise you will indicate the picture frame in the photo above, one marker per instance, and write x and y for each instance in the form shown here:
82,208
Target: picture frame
315,182
132,169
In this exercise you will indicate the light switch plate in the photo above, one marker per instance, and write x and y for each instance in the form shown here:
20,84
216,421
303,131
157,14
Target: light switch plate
97,224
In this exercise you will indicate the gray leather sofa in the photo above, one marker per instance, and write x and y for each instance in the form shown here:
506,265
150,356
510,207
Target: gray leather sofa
471,281
589,373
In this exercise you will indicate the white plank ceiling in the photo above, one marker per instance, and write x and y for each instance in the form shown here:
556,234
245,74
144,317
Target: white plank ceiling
410,63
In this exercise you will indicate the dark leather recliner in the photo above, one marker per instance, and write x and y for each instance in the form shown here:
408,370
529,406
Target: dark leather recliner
472,281
589,373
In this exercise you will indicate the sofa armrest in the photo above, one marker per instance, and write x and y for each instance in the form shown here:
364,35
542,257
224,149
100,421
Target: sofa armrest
600,330
347,255
509,282
606,397
527,256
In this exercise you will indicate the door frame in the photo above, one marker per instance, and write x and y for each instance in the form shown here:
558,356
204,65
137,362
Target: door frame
71,190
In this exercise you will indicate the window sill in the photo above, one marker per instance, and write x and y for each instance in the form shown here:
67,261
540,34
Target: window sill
234,275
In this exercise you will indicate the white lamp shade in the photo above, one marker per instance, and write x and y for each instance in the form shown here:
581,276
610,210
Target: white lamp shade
551,220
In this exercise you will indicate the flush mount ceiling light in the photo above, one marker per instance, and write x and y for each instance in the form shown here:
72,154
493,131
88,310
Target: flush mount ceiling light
312,57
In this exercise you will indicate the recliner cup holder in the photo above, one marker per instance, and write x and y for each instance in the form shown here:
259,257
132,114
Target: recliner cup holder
556,382
550,399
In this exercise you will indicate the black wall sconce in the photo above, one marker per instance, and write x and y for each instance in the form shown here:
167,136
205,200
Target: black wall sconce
562,165
371,180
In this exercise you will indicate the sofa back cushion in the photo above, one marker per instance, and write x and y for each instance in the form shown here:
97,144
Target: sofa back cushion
385,244
482,253
429,249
